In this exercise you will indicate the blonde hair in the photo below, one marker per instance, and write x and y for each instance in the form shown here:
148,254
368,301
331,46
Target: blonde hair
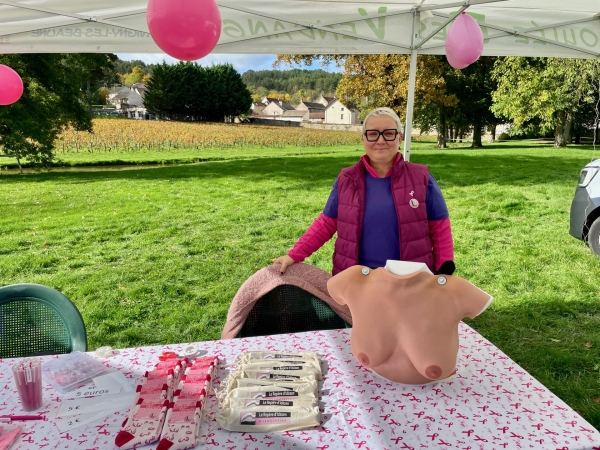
384,111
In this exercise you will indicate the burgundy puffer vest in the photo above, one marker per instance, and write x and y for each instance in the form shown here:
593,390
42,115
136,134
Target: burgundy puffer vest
407,178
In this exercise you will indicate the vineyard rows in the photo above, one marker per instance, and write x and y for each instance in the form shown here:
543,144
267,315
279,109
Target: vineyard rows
127,135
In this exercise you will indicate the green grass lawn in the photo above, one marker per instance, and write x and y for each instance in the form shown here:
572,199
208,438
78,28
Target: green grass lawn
155,255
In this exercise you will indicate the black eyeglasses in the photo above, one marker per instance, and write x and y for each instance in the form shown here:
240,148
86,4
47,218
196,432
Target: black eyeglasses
388,135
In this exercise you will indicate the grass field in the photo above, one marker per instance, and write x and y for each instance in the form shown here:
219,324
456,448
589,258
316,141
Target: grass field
154,255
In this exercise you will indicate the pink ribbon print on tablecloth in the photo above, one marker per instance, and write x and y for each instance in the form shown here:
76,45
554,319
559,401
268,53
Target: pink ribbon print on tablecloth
491,403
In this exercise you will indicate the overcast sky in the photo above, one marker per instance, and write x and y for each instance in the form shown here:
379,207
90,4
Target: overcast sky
241,63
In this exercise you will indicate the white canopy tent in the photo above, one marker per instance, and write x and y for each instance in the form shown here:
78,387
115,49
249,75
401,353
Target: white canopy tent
568,29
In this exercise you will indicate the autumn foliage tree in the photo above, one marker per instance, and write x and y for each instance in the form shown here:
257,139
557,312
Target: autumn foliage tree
371,81
56,96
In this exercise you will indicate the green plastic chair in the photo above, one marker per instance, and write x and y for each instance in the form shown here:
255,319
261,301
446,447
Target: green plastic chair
38,320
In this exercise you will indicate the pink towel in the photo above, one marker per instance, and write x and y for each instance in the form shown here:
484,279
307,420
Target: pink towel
306,277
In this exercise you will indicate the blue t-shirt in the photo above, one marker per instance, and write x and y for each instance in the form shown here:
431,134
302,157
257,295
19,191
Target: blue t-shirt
380,237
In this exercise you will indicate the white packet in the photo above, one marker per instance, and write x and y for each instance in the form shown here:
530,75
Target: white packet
306,402
260,355
283,375
309,364
304,392
268,418
249,383
293,390
291,385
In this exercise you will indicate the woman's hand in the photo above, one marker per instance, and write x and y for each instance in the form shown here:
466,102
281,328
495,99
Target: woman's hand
285,262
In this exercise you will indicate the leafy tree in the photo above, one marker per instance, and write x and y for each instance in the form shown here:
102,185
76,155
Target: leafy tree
473,87
586,119
165,92
188,91
56,95
548,91
136,76
124,67
103,95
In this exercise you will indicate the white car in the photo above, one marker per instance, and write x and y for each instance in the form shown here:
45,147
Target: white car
585,208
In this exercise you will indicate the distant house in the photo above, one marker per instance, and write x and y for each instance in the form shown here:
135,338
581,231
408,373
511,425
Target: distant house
311,106
124,100
294,115
140,88
316,111
257,108
130,101
276,108
139,113
267,100
114,91
325,101
339,113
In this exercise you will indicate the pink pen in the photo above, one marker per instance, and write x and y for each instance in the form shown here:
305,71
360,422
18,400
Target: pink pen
8,418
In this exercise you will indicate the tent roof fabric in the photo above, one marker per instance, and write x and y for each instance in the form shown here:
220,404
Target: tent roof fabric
510,27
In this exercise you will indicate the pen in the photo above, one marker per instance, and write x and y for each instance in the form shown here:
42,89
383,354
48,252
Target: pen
8,418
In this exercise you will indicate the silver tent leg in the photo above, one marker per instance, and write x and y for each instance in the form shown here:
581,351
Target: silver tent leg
411,86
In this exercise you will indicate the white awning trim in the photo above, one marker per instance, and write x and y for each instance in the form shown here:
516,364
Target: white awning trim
526,27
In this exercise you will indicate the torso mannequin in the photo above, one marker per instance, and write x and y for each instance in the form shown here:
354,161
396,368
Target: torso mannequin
405,319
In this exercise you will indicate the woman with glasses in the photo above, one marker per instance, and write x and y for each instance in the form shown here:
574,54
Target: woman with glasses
381,208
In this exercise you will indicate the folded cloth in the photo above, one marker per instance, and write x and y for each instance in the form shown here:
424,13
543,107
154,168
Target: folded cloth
306,277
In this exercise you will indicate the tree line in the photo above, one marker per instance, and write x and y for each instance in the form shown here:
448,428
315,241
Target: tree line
291,85
190,92
537,96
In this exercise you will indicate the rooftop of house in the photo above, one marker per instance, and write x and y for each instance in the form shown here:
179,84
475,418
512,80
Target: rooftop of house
284,105
294,113
349,105
117,89
313,105
268,100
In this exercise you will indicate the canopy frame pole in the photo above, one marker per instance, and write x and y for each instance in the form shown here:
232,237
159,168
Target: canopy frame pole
441,27
452,5
412,78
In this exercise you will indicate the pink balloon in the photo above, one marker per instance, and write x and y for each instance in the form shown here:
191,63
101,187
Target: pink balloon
11,86
184,29
454,63
464,42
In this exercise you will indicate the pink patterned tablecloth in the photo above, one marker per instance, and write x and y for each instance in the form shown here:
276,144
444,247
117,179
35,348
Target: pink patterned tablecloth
492,403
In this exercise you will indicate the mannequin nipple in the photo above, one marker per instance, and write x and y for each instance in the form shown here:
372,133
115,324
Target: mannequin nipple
363,359
433,372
